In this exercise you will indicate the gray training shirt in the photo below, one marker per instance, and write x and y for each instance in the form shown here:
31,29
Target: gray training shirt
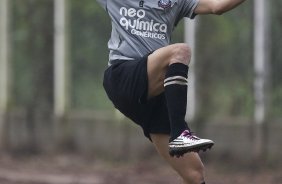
142,26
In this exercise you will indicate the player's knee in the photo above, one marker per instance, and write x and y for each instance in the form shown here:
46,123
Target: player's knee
181,53
194,176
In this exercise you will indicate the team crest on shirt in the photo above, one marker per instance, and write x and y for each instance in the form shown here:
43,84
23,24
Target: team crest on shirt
164,3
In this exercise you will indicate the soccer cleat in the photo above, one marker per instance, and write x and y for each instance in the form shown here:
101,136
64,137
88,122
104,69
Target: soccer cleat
187,142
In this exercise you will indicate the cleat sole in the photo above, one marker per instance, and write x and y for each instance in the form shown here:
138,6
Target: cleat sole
179,152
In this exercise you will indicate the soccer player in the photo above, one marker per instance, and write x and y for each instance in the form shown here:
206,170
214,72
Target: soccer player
146,78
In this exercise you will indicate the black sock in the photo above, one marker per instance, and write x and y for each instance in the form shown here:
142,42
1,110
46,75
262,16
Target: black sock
175,85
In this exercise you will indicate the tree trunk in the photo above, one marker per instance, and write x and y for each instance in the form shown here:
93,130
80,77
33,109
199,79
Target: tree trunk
4,67
261,70
60,59
190,39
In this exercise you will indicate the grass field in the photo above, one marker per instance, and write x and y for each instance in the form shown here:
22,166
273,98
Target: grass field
69,169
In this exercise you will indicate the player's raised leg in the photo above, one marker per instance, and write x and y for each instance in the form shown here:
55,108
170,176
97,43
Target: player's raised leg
189,167
167,71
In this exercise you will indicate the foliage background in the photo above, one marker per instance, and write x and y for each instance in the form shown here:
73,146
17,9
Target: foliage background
224,69
224,57
225,75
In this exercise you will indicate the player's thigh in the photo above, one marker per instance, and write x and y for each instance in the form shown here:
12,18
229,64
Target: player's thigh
189,167
159,61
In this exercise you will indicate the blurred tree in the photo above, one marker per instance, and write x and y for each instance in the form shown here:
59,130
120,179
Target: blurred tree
4,68
276,58
224,64
261,78
90,31
33,60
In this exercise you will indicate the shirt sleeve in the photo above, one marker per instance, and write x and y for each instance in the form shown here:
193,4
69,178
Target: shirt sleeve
103,3
188,7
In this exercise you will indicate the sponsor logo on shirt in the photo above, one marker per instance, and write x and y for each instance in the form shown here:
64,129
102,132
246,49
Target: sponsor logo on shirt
132,19
164,3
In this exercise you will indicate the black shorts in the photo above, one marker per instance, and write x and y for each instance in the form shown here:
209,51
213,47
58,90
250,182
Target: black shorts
126,84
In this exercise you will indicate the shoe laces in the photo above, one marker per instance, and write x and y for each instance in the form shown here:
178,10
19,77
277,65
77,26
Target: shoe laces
189,135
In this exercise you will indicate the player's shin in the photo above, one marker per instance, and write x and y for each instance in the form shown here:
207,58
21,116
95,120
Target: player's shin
175,84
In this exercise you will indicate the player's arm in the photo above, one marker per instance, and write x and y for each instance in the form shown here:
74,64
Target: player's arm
216,6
